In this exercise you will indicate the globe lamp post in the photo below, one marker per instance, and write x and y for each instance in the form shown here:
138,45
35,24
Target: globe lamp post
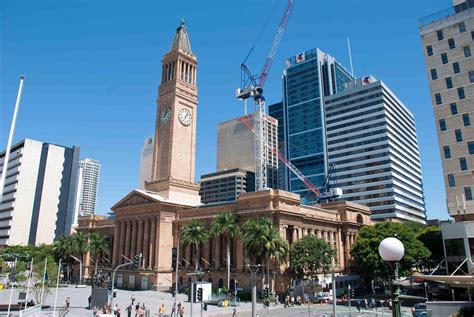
391,250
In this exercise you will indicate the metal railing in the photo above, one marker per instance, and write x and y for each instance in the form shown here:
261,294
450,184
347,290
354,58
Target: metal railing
444,13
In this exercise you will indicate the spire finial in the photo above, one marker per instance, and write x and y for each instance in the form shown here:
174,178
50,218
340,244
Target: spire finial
182,21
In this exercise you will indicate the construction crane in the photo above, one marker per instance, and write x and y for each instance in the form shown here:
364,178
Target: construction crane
329,193
251,88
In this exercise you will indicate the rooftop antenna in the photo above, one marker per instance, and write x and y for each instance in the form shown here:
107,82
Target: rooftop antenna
350,56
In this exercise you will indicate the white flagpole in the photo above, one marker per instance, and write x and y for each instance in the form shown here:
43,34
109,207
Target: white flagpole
30,275
57,286
10,137
42,286
11,291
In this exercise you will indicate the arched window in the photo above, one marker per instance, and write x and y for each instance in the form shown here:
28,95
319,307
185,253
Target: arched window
221,283
360,219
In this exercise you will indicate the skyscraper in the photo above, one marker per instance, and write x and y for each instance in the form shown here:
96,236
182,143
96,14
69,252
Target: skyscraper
87,188
39,193
447,38
371,139
146,159
307,79
236,147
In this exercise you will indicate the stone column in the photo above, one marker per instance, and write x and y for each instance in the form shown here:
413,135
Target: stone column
116,243
347,248
217,251
157,244
295,234
303,232
318,233
122,242
133,248
140,236
152,243
127,239
146,243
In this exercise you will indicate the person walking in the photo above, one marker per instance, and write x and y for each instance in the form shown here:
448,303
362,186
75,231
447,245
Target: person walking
162,311
129,310
132,298
173,310
358,305
181,310
68,302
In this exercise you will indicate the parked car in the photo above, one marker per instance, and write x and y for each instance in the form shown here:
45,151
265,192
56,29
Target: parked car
419,310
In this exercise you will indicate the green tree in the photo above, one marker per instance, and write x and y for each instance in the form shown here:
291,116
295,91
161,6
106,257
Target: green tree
432,239
365,249
278,252
63,249
259,237
98,247
310,256
225,224
194,233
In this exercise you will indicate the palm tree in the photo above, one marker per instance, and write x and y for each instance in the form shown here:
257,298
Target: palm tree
98,246
256,237
79,247
279,252
63,249
225,224
194,233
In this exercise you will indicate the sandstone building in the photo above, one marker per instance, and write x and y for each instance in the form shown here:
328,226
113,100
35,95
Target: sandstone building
149,221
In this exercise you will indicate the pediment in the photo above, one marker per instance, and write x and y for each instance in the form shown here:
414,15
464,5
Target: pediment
136,198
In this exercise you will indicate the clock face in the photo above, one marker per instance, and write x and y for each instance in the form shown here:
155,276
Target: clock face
165,115
185,117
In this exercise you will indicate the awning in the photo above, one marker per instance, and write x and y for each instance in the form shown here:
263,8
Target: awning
463,281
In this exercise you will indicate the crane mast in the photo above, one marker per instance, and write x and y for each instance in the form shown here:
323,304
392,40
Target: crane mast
255,90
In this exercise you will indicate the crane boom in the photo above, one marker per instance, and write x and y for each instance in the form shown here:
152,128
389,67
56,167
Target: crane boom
276,43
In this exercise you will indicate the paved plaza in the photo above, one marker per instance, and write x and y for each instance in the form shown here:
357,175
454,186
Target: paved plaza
152,300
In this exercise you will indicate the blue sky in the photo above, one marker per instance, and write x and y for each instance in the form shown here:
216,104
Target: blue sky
93,70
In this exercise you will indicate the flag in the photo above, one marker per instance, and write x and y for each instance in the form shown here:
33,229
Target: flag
300,58
366,80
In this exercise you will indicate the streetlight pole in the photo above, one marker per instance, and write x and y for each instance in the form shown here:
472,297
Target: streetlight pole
392,251
80,268
176,269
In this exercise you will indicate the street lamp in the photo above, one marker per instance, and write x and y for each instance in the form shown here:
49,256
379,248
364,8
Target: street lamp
392,250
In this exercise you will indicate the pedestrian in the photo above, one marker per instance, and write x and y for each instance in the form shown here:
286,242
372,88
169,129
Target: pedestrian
137,307
173,310
234,312
68,302
94,311
162,310
181,310
141,312
132,299
89,299
129,310
114,310
358,306
366,303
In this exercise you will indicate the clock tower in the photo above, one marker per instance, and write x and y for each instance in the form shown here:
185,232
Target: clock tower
174,146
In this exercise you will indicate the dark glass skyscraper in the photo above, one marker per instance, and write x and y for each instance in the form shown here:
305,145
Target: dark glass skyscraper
308,77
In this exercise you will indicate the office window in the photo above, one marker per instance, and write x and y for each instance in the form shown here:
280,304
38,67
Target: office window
461,94
456,68
444,58
462,27
449,83
447,152
467,51
468,193
434,74
471,77
438,99
429,50
463,163
451,181
470,147
466,120
440,35
451,44
442,124
454,108
458,135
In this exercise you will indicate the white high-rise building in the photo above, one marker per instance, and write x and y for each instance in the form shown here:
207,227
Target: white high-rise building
87,187
38,199
146,158
371,138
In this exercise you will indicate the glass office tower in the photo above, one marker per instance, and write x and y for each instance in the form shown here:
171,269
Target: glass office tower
308,77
